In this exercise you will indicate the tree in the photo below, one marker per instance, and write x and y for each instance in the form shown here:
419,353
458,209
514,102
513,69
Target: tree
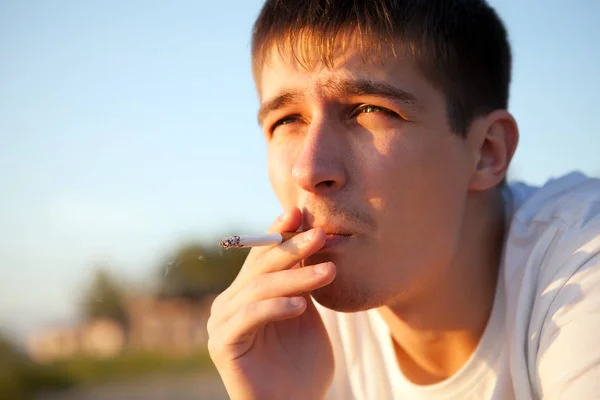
104,298
12,371
197,270
21,378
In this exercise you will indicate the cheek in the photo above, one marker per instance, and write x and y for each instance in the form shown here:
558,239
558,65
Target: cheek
420,168
279,166
418,198
382,164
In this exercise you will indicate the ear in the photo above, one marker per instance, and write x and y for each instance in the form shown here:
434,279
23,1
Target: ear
494,141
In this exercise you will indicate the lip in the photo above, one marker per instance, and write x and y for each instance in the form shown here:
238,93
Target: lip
334,240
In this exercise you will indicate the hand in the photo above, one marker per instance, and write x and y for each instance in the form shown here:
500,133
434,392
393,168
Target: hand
266,338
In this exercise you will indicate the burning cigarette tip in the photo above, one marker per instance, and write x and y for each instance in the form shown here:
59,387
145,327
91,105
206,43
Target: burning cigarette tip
231,241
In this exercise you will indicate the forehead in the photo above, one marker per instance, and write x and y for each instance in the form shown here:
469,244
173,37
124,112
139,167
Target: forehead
283,69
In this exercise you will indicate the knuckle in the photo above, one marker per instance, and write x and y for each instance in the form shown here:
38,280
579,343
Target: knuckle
210,325
250,309
257,286
213,348
216,305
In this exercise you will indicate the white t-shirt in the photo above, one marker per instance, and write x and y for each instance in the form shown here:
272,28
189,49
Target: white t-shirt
543,336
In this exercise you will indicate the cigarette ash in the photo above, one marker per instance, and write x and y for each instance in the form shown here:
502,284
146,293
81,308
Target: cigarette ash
231,241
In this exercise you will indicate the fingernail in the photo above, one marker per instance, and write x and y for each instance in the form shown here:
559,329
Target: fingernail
309,235
282,217
321,269
296,302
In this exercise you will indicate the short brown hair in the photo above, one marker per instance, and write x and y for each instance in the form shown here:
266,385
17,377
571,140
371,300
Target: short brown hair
460,46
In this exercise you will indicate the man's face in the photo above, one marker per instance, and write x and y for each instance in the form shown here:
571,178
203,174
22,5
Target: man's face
365,151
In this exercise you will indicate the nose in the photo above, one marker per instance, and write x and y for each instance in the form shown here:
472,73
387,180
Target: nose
319,166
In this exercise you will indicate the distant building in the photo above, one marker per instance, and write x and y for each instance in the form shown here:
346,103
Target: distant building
98,338
176,326
167,325
102,338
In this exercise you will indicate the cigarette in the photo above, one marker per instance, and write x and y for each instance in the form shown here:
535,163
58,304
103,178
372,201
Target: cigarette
266,239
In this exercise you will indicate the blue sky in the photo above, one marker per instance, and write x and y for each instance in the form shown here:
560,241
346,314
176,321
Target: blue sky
121,123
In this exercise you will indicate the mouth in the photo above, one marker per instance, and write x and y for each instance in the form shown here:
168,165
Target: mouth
337,236
332,234
336,240
329,230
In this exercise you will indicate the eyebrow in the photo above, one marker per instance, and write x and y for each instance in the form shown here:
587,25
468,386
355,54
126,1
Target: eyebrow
363,87
284,99
341,88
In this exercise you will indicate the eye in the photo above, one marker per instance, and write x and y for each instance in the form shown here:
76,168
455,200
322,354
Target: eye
284,121
369,109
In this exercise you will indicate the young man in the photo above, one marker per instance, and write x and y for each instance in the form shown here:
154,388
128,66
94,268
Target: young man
418,273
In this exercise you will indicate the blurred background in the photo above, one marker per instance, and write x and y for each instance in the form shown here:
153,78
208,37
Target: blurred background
129,146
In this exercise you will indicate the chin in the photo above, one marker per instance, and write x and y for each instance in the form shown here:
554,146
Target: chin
346,294
355,287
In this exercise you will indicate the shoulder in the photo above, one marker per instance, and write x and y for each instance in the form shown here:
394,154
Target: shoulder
556,226
552,283
573,199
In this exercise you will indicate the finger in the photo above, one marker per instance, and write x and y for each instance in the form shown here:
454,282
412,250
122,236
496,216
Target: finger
294,282
291,252
289,221
281,257
251,317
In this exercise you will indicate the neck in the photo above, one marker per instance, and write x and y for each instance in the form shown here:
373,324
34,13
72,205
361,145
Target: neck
437,332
